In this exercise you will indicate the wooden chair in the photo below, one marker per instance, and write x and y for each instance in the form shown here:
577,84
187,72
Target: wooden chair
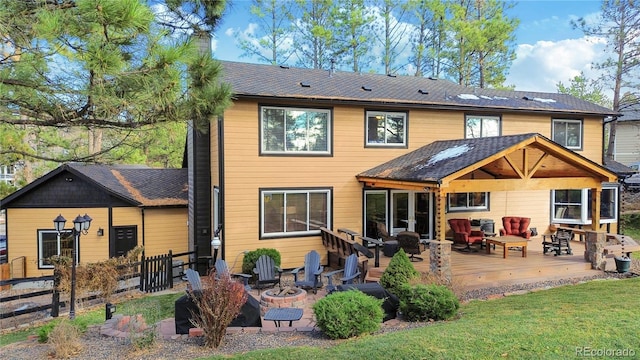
268,272
223,270
409,241
312,271
350,273
560,241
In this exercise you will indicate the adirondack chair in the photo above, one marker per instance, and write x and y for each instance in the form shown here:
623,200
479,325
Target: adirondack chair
194,279
222,269
350,272
268,272
312,271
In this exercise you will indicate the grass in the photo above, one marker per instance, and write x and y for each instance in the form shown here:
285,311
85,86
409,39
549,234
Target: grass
152,308
558,323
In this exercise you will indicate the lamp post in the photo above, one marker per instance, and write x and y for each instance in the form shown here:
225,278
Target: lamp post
81,225
215,243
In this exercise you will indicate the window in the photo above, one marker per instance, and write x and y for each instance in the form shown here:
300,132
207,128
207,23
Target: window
51,243
468,201
574,206
386,128
567,133
477,126
375,212
294,212
295,130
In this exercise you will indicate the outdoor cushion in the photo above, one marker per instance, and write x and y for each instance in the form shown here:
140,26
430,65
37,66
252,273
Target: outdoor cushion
517,226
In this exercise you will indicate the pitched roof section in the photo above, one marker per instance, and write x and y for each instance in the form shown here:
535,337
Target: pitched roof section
490,157
271,81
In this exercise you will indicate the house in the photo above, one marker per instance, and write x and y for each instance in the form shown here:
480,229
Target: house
305,148
627,140
129,206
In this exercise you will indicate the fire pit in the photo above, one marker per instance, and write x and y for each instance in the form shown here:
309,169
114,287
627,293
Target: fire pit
287,297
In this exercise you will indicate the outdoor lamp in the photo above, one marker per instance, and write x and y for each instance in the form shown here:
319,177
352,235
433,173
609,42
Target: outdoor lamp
58,223
77,223
215,242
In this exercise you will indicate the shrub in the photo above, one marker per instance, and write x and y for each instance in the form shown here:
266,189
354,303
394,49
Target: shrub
427,302
65,340
250,258
45,330
218,303
345,314
400,271
141,336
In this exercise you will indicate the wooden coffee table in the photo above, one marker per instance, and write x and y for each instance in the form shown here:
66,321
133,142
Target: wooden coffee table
506,242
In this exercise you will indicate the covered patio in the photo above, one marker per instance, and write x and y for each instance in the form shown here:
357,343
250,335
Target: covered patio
504,163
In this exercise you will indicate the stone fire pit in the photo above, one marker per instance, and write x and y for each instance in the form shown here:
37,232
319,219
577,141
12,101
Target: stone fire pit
287,297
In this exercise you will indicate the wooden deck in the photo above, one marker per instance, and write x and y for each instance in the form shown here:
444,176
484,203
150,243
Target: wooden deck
478,269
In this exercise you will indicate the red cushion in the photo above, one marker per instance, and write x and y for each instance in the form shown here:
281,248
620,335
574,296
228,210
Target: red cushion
514,225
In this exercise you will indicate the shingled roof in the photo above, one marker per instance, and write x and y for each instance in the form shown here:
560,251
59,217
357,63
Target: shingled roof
140,186
281,82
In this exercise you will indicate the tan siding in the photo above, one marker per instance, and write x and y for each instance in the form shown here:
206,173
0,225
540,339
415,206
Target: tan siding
246,172
22,234
165,229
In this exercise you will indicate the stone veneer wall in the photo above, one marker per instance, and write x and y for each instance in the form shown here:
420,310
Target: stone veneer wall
595,242
440,258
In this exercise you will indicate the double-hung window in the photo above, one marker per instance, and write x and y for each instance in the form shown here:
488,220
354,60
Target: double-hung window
292,212
386,128
287,130
468,201
567,132
574,206
50,243
477,126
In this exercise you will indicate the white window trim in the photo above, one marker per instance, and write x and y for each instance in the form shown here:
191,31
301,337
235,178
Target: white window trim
580,141
584,208
270,235
482,119
285,151
468,208
41,257
385,114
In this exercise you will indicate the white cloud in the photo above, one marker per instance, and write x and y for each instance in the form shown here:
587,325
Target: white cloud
539,67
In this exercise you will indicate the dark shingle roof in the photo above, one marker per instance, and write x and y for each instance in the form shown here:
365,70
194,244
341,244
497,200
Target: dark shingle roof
271,81
630,114
148,186
439,159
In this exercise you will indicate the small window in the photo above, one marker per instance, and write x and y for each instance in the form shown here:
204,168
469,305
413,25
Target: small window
477,126
50,243
294,212
386,128
295,130
567,133
468,201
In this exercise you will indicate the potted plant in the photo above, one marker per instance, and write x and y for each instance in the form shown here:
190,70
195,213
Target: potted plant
623,262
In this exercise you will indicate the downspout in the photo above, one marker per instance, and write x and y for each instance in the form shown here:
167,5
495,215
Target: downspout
221,191
143,228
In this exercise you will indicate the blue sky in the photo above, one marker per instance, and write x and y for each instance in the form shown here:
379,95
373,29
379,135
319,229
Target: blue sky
548,49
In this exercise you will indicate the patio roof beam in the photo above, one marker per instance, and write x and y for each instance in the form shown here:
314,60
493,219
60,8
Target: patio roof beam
482,185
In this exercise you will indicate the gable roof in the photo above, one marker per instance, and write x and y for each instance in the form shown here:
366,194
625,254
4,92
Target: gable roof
630,114
139,186
281,82
488,158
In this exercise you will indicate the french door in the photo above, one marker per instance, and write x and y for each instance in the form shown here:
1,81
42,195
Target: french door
399,210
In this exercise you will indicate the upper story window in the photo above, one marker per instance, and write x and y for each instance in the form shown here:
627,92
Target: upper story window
567,133
468,201
386,128
477,126
295,130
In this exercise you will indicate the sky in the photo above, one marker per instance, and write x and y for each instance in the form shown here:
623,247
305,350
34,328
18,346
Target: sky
548,49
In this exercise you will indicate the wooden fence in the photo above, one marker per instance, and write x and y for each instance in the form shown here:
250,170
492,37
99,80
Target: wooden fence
155,274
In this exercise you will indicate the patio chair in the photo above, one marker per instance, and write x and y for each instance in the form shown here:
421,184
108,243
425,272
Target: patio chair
194,279
389,243
516,226
462,234
350,272
268,272
560,241
312,271
409,241
223,270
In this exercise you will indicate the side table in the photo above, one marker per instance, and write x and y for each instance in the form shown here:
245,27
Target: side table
283,314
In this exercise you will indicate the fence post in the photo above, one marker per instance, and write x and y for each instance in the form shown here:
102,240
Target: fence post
170,269
55,300
143,273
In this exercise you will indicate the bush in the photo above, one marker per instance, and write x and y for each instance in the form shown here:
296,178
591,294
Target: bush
65,340
400,271
45,330
218,303
427,302
250,258
345,314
